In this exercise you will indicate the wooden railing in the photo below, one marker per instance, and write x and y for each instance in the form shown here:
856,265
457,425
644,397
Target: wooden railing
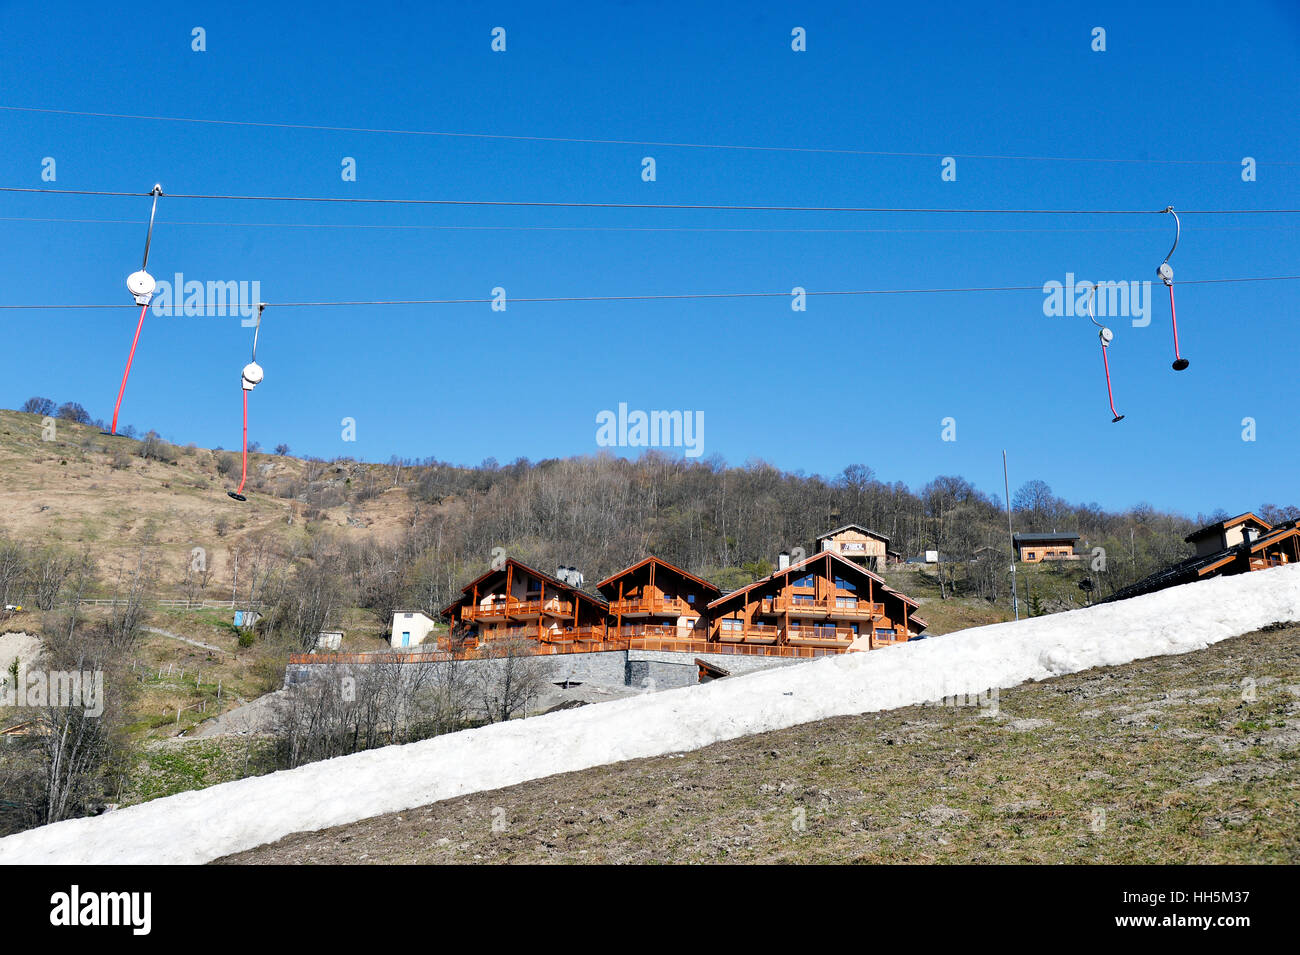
650,605
632,630
485,652
843,635
763,632
592,640
822,605
513,607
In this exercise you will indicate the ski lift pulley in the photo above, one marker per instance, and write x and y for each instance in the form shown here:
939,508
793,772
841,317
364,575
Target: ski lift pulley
1105,336
141,285
249,378
1166,274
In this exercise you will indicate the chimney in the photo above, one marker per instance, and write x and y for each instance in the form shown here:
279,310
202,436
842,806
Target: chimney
782,561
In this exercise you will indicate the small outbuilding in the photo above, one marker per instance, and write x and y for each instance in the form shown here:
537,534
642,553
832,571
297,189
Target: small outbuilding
410,628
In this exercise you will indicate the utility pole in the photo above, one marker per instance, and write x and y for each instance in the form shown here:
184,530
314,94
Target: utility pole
1006,486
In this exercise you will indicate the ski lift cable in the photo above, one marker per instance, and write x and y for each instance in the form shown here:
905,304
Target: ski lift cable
597,228
630,142
671,296
644,205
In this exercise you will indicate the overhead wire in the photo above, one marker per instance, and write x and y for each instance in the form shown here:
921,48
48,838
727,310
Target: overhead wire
673,295
830,150
574,204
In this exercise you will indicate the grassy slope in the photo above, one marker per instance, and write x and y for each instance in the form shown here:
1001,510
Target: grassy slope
1181,767
67,492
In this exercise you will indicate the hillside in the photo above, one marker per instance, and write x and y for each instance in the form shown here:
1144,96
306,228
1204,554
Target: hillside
1156,761
97,494
411,533
206,824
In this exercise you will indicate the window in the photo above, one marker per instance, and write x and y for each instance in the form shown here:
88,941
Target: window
1029,555
730,623
690,599
803,598
850,602
808,580
842,584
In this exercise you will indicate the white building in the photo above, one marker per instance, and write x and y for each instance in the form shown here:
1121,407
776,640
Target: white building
410,628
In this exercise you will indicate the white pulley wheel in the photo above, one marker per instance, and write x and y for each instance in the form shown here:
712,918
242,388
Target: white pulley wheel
252,375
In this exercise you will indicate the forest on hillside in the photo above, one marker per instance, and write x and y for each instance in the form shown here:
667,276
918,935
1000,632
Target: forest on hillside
602,513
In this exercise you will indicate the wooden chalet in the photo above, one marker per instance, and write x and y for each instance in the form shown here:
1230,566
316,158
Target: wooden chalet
1237,545
654,598
1034,548
860,545
824,601
1230,532
518,601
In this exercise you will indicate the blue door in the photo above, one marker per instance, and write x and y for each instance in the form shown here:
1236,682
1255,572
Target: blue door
406,638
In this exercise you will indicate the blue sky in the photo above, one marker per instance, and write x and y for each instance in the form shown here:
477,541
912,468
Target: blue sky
852,379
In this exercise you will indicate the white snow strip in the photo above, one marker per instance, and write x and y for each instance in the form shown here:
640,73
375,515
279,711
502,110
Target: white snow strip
198,826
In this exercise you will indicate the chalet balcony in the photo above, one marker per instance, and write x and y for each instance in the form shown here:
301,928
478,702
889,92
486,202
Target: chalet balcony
840,608
827,637
796,606
755,633
563,636
516,609
650,607
669,631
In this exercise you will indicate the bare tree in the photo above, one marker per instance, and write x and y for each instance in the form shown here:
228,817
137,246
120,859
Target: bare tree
40,406
49,571
512,679
13,567
310,601
128,613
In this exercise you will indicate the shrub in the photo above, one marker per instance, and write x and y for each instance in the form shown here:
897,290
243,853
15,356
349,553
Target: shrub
71,411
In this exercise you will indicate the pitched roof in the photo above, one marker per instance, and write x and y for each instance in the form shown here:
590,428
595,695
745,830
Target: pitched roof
1194,568
1220,526
662,563
1037,537
541,574
853,527
820,555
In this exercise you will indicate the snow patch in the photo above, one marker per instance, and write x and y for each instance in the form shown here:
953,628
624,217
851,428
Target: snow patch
198,826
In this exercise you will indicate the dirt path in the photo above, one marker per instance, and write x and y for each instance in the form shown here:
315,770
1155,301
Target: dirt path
176,636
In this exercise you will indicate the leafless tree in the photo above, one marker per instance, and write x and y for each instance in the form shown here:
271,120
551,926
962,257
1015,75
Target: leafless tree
49,570
126,619
512,679
13,567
